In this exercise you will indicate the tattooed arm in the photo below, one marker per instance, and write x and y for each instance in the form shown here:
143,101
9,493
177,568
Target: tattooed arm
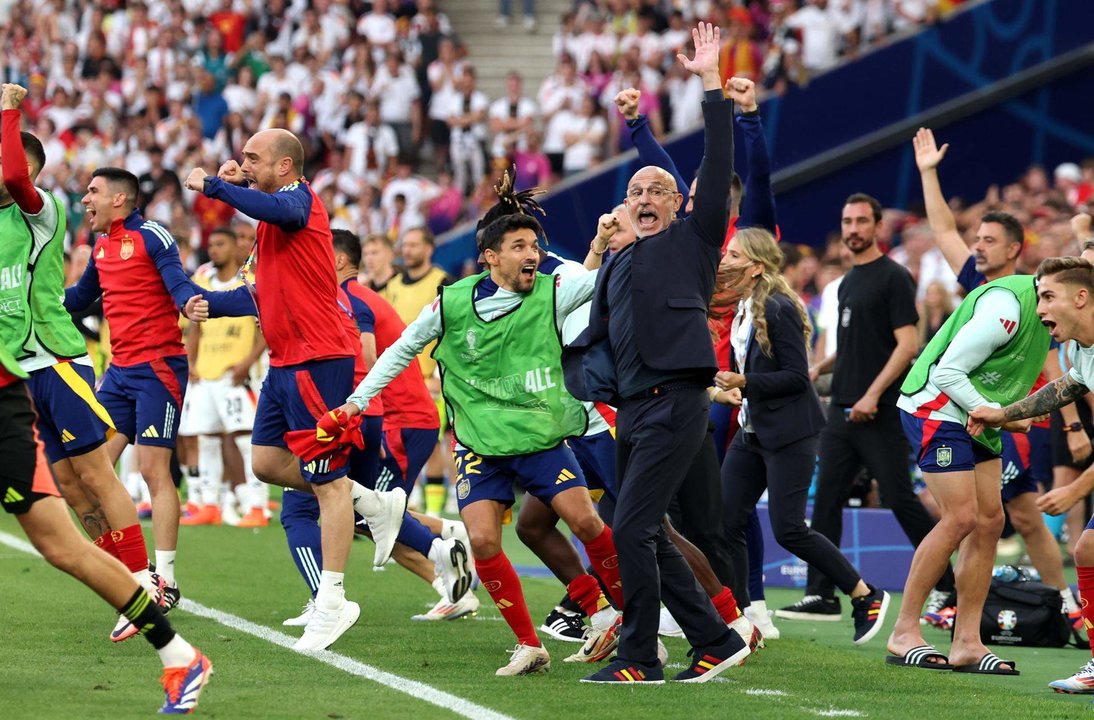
1055,395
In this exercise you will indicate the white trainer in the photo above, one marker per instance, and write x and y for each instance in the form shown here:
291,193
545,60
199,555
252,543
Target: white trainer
662,653
526,660
451,564
326,626
601,637
748,632
383,511
760,616
1081,683
302,619
456,529
444,610
668,627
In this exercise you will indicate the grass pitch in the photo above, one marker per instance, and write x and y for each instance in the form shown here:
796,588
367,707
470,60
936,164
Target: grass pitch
58,662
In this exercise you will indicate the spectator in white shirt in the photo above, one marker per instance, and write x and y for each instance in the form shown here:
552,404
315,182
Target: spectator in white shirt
372,146
379,27
820,35
467,121
274,82
584,133
511,117
396,88
562,90
442,74
594,38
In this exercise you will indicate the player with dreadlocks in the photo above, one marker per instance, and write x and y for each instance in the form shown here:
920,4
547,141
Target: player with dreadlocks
499,350
595,452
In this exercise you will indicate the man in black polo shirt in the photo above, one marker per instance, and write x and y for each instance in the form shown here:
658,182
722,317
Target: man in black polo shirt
876,342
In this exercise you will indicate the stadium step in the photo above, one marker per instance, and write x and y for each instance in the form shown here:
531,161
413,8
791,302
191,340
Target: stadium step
495,51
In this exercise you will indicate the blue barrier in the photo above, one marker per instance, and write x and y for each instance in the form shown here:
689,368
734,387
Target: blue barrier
872,540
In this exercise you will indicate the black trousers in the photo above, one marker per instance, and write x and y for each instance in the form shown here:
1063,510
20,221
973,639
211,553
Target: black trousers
785,473
881,446
656,440
696,511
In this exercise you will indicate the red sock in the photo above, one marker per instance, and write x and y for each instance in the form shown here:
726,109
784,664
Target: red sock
1086,600
501,581
726,605
130,547
105,542
585,591
601,551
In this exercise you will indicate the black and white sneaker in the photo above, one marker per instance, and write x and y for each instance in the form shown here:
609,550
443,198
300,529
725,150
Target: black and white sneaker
563,625
812,607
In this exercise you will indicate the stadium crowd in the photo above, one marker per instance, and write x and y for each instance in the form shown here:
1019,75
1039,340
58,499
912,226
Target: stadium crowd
383,94
780,317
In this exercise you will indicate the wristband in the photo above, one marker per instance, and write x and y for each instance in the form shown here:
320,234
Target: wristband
1073,427
594,251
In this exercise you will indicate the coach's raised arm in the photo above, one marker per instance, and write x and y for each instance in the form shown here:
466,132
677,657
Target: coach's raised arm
715,174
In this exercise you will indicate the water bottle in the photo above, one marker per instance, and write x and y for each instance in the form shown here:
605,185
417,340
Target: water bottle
1006,573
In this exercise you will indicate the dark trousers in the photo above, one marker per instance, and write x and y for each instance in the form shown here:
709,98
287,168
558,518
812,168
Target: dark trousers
721,416
881,446
696,511
656,440
785,473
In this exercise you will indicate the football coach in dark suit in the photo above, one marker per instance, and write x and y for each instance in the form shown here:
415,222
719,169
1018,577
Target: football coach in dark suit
648,350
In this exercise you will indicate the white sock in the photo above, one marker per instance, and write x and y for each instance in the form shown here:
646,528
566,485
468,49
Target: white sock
332,592
211,469
257,493
758,607
177,653
438,585
165,565
364,500
1069,600
144,579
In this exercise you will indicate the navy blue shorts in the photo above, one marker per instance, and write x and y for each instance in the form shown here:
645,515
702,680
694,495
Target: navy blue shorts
406,452
71,420
144,400
596,456
294,397
543,474
1040,455
942,446
1018,474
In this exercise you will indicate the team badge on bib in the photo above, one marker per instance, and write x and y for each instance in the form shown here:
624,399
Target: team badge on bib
943,456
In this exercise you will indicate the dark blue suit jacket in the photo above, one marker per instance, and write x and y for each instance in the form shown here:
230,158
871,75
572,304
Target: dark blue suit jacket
782,404
672,279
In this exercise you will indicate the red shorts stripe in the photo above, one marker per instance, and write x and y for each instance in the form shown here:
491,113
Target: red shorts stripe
309,393
1021,445
607,412
930,427
396,448
167,376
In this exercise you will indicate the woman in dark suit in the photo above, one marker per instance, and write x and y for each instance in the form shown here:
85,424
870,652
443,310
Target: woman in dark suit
780,420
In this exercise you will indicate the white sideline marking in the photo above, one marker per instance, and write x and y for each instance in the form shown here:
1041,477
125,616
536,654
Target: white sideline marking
413,688
765,693
834,712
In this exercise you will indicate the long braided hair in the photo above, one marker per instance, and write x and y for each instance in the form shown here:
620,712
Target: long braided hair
510,202
759,246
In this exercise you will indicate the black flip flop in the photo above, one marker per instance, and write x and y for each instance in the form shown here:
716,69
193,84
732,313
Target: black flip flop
990,664
921,657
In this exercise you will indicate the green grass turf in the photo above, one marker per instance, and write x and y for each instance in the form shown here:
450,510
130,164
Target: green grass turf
58,662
